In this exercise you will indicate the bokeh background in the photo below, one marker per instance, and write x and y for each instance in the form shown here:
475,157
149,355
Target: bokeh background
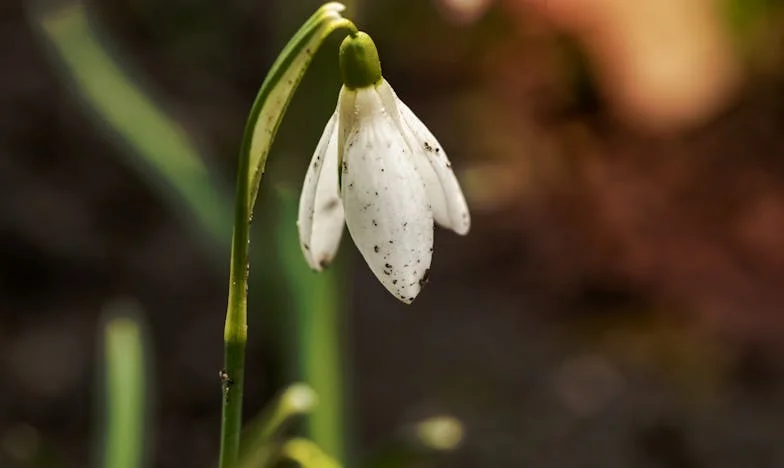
619,301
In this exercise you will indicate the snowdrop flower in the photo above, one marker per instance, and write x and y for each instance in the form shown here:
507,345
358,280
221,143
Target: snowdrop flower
380,170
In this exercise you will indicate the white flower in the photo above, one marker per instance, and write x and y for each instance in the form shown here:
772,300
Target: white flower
394,180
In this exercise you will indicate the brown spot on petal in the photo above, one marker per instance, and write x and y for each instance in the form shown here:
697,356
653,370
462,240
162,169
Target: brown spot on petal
331,204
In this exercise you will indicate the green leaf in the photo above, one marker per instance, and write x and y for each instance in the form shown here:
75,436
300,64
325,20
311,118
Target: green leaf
259,445
156,141
125,389
316,302
307,454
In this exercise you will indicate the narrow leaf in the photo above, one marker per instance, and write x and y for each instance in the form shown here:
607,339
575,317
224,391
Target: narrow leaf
157,142
125,389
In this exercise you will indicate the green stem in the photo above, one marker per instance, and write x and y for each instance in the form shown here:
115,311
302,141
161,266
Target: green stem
262,125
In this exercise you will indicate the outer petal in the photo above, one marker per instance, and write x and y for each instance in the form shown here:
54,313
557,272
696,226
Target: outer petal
387,210
320,218
449,206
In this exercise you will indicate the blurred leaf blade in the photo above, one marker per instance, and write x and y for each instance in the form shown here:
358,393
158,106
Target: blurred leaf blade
318,332
125,391
259,444
156,140
307,454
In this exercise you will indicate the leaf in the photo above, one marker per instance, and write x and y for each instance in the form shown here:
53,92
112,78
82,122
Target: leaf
157,142
125,388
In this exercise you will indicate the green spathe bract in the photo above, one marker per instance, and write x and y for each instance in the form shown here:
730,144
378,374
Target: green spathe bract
359,63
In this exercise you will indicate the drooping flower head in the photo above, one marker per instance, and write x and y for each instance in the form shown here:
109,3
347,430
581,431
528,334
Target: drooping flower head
382,172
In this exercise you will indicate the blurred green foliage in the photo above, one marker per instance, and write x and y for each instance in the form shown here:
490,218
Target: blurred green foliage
159,146
125,388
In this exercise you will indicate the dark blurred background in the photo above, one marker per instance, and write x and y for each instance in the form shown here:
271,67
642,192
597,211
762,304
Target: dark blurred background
619,301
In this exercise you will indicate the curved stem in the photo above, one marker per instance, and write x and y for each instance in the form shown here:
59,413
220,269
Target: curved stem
261,127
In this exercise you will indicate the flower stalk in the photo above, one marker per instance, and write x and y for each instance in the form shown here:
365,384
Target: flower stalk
377,169
262,125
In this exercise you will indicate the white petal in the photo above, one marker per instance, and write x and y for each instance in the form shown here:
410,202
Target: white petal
387,210
449,206
320,217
